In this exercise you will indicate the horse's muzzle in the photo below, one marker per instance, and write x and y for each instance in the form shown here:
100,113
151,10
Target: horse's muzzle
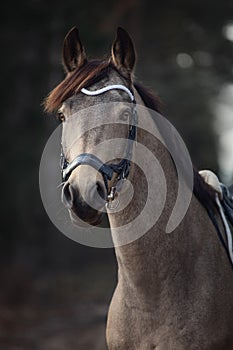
87,204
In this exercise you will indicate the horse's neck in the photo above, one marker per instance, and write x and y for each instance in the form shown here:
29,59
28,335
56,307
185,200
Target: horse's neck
148,263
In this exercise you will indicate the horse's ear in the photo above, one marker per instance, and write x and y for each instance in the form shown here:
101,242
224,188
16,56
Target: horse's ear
123,53
73,52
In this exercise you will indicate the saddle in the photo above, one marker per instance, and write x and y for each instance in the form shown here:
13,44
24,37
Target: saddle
224,202
225,193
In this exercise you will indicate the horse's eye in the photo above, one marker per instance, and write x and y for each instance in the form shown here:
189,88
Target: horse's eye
125,116
61,116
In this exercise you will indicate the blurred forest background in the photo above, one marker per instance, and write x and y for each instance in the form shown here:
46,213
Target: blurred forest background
54,292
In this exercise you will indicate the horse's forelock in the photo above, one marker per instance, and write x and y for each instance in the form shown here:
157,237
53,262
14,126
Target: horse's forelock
88,74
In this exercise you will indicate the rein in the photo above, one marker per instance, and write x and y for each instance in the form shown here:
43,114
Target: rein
106,170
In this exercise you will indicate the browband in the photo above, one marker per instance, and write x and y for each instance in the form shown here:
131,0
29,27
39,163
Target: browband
108,88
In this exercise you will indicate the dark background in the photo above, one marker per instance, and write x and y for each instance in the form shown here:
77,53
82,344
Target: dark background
54,292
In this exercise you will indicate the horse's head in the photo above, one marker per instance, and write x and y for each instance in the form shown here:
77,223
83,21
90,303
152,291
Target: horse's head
96,105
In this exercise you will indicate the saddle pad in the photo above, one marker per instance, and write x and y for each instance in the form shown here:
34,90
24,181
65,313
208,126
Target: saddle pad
211,179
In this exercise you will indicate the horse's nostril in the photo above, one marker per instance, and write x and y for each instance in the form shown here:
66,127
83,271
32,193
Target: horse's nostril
67,195
101,190
93,197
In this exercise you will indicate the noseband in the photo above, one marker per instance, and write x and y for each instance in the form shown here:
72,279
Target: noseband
106,170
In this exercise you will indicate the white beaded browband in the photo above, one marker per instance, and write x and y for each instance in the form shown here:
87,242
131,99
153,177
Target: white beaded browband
107,88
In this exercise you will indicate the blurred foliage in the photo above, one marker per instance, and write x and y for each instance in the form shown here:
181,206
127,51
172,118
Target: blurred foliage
32,33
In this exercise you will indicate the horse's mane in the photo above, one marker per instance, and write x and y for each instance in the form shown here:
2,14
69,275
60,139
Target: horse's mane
95,70
204,193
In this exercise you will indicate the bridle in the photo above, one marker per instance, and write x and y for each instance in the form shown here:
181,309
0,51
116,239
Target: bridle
106,170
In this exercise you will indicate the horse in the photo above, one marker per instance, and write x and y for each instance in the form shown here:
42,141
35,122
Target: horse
174,291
